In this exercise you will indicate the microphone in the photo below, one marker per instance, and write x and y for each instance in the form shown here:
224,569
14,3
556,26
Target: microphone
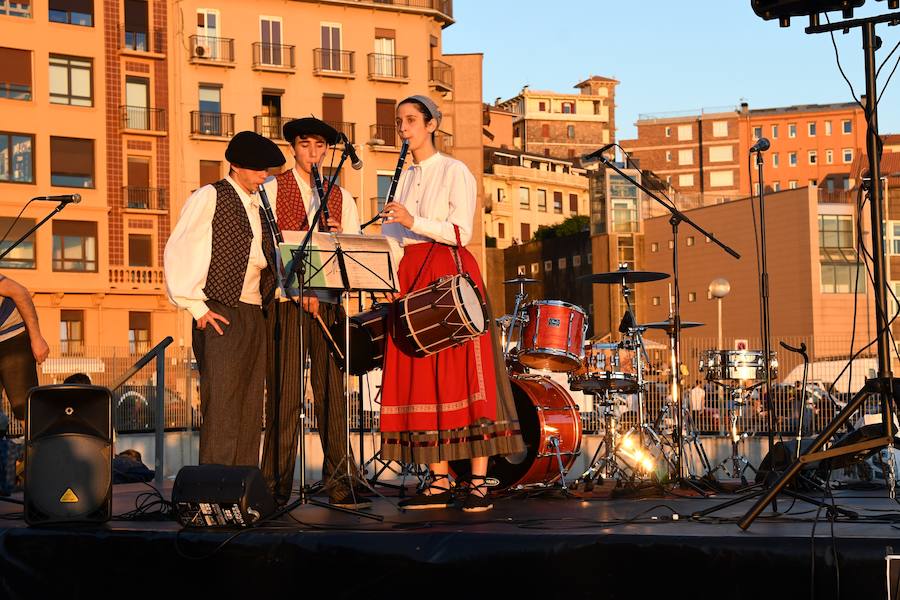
761,145
355,162
64,198
596,154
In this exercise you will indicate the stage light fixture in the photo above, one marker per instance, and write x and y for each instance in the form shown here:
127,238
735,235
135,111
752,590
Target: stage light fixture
783,10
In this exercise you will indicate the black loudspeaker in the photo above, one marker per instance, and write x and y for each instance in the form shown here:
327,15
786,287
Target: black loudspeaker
68,454
221,496
781,457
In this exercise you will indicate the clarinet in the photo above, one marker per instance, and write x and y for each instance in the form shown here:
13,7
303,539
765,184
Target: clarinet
393,188
270,216
323,201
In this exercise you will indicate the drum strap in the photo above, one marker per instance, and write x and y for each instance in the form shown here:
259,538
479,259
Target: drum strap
453,249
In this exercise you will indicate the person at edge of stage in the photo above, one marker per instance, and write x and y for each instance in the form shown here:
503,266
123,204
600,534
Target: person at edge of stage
456,404
217,267
294,202
22,347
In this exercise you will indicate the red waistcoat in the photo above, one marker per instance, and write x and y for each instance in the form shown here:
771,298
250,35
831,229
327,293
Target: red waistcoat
291,213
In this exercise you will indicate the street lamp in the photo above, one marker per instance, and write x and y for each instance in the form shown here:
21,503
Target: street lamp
718,289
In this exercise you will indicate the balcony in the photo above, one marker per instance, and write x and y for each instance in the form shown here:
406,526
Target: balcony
333,63
440,76
348,129
145,198
385,134
141,41
141,118
443,142
270,126
213,124
388,67
273,57
206,50
136,278
836,196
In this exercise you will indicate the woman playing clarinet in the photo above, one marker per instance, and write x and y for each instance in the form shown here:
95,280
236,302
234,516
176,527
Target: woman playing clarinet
455,404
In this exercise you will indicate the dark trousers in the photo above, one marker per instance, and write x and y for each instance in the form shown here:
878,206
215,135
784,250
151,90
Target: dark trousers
18,371
232,385
283,414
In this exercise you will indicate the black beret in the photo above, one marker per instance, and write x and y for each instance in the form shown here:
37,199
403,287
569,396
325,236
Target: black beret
310,126
250,150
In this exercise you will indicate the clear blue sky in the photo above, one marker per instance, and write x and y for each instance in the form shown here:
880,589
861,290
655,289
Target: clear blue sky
668,56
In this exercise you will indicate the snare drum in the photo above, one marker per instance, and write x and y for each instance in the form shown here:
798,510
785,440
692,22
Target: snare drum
366,340
553,336
606,367
737,365
446,313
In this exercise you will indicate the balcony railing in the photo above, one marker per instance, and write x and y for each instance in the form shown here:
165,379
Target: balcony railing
836,196
143,119
212,123
136,278
273,57
440,75
339,63
384,133
348,129
443,142
388,67
270,126
145,198
212,50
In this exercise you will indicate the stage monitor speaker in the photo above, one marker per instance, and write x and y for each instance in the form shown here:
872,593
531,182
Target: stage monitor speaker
221,496
781,457
68,454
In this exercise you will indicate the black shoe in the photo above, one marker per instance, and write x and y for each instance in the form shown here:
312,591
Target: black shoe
423,501
346,499
478,499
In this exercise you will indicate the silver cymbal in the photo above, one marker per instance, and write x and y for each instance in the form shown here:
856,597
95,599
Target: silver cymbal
623,276
668,327
520,281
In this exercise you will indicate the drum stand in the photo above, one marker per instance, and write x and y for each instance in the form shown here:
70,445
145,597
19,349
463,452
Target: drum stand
739,462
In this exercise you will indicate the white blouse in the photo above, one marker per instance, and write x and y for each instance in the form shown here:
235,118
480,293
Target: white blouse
438,192
189,249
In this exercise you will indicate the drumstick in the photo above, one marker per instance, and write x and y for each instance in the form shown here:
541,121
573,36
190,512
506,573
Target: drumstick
328,335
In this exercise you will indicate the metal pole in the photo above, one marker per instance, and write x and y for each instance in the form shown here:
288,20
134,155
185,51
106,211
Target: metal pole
719,345
160,424
764,291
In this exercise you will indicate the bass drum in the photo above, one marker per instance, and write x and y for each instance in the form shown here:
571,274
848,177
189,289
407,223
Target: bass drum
547,413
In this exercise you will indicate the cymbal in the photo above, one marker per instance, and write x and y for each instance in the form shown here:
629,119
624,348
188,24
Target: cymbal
624,276
668,327
520,280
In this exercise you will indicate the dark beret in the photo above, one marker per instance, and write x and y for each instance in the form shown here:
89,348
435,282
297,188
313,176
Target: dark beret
310,126
250,150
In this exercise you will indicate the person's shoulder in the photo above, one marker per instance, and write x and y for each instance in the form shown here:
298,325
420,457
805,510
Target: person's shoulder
455,166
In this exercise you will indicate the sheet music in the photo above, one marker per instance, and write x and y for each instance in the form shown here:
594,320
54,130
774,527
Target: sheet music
322,269
367,260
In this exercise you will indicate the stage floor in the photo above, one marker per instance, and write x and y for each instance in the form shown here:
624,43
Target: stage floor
547,545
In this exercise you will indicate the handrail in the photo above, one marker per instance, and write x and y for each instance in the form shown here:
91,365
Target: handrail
159,426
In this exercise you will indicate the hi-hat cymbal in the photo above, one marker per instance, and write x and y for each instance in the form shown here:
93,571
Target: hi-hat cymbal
520,280
668,327
624,276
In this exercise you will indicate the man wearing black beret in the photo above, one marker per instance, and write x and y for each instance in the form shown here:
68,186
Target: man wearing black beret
218,267
295,201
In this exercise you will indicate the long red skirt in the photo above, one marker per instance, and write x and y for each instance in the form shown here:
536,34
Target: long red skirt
451,389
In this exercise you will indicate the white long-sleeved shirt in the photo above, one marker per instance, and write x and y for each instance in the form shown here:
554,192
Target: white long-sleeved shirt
438,192
189,250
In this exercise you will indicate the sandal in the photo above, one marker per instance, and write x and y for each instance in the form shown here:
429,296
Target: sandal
478,499
424,501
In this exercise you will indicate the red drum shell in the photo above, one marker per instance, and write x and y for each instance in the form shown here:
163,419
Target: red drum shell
553,337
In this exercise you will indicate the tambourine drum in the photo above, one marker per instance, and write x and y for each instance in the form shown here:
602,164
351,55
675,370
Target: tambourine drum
553,336
606,367
446,313
737,365
366,339
546,410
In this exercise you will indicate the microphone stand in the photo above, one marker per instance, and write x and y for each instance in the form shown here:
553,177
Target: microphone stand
677,217
764,299
52,213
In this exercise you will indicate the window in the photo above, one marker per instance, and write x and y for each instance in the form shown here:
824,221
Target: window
501,195
811,129
71,80
542,106
542,200
570,132
557,202
668,132
829,157
524,197
756,188
501,231
521,270
757,133
137,101
721,153
686,157
22,256
590,258
668,156
792,184
140,250
792,159
210,105
136,25
776,186
686,180
525,229
792,130
847,126
535,268
654,246
827,127
573,204
690,240
16,157
561,263
73,12
568,108
384,185
721,178
685,132
270,36
210,171
545,130
720,128
692,296
385,64
894,247
847,154
16,8
208,30
775,160
138,192
71,162
774,132
15,73
812,156
576,260
548,266
74,246
331,47
655,301
138,332
71,331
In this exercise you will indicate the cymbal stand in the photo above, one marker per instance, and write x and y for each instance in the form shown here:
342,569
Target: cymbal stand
739,462
604,463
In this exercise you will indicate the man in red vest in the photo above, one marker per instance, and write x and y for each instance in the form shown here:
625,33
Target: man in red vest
295,201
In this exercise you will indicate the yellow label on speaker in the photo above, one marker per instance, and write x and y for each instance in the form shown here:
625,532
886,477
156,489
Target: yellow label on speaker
69,496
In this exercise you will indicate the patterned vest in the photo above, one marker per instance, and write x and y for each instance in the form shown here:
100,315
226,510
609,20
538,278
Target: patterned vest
231,240
291,211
